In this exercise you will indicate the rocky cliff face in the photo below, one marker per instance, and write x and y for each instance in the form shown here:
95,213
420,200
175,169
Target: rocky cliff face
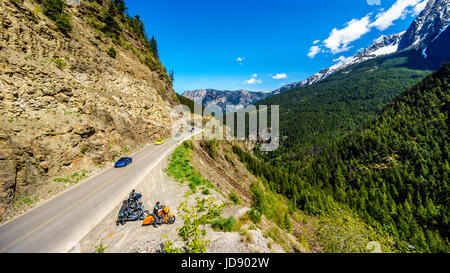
65,103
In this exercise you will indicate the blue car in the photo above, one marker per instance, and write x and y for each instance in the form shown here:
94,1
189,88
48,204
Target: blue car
123,162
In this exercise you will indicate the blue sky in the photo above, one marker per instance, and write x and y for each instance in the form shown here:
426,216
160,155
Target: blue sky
260,45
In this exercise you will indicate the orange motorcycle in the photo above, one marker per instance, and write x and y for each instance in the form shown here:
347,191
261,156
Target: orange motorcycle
167,218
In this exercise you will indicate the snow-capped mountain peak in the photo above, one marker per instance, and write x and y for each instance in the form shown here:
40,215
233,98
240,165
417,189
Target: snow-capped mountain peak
382,46
432,21
428,25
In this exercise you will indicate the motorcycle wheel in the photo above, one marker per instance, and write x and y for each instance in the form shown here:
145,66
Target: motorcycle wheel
171,220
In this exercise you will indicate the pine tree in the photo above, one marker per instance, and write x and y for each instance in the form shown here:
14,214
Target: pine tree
154,46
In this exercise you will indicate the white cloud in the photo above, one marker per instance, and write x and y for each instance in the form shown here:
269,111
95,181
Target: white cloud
398,10
280,76
419,7
239,59
340,59
339,39
255,75
253,81
313,51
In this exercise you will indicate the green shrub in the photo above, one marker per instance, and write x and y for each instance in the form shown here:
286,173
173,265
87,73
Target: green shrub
73,178
96,6
223,224
191,232
287,224
258,197
188,144
60,63
234,198
255,215
112,52
111,28
180,169
26,200
100,248
64,24
93,22
36,11
211,147
53,9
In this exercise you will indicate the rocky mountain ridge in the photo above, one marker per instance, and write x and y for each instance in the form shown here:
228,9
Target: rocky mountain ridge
382,46
427,26
235,100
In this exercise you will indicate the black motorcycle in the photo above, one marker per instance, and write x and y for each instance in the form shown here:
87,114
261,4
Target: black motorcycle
134,210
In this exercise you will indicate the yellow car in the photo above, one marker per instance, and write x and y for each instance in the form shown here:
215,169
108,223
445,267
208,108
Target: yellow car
159,142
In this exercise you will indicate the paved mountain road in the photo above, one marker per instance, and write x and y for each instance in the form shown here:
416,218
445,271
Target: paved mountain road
52,226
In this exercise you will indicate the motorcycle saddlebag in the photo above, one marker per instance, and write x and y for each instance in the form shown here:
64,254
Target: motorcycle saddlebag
148,220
